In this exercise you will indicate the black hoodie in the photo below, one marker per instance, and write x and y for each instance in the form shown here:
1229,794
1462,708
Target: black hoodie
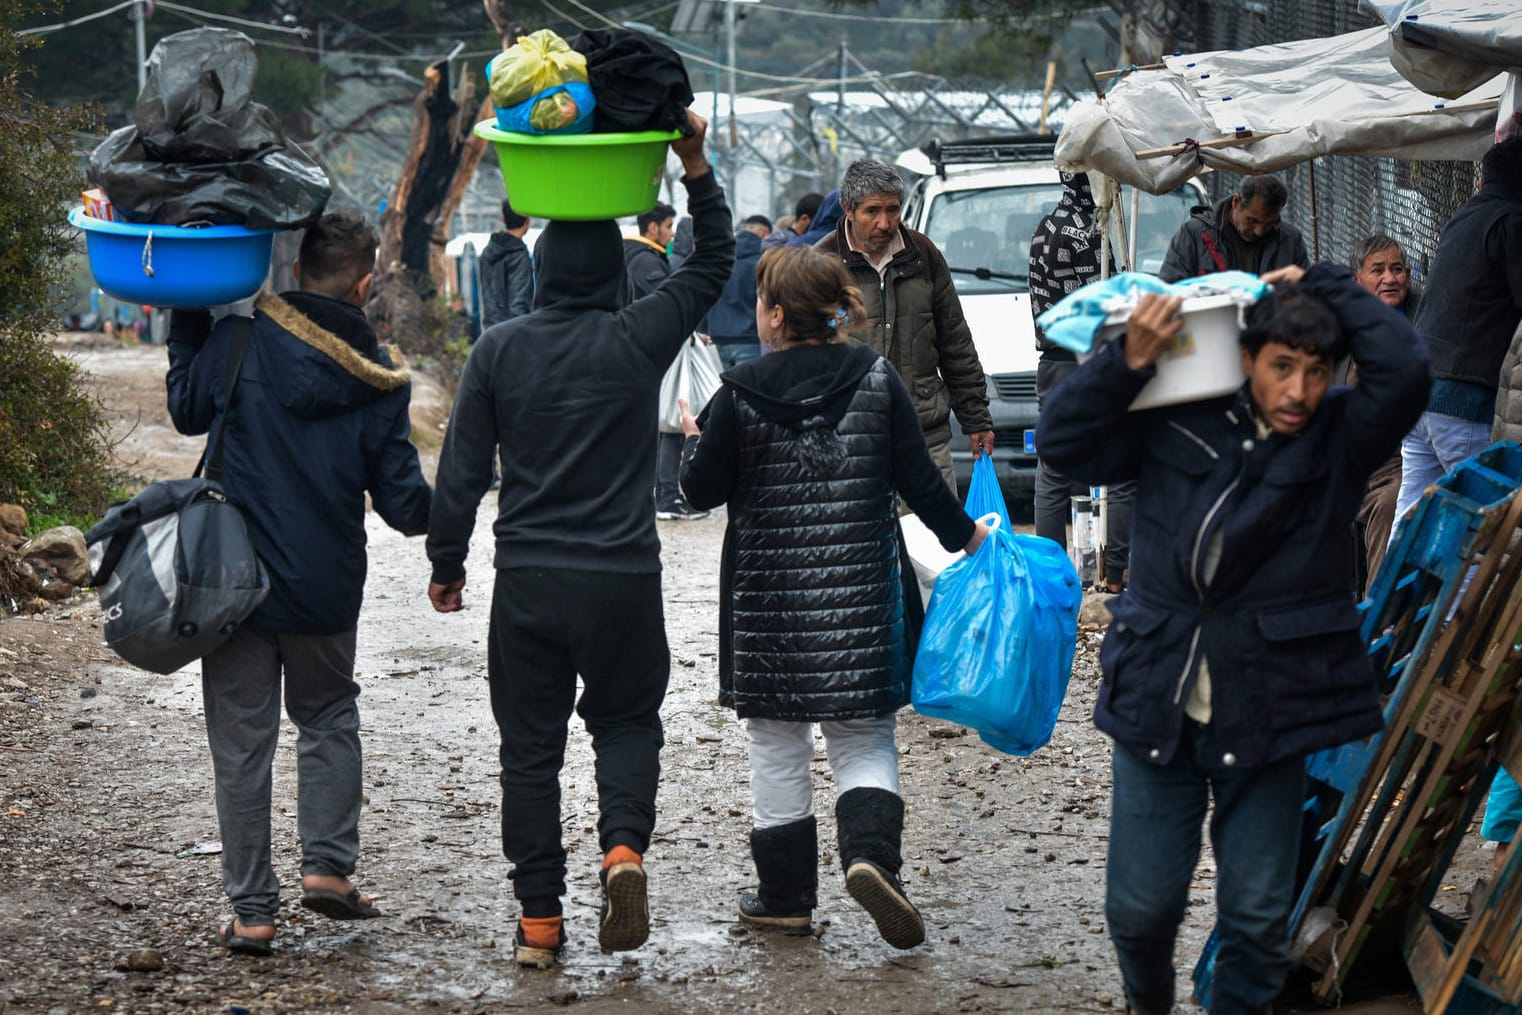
569,394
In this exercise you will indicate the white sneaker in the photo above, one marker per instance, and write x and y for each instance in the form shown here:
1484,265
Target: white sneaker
681,513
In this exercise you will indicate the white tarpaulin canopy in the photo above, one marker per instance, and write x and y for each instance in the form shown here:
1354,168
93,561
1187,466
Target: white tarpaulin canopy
1265,109
1446,48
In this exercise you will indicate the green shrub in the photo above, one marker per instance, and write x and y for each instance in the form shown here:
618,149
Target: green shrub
53,448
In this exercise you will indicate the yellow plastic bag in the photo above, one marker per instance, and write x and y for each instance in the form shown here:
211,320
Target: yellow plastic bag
532,64
553,112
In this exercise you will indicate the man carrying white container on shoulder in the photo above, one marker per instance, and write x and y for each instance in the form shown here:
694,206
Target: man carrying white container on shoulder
1235,649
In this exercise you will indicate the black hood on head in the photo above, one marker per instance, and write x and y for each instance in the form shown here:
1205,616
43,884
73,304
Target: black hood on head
580,266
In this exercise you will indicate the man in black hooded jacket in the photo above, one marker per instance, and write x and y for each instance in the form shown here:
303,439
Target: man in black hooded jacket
507,272
568,394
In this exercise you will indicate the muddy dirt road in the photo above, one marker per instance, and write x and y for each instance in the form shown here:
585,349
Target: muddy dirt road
106,790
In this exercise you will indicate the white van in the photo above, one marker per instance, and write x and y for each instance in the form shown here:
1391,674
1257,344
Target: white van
980,201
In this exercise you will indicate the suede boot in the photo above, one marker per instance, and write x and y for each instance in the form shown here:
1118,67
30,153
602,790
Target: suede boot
787,863
870,827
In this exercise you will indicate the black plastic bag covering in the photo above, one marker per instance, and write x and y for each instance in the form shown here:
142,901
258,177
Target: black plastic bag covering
201,150
639,82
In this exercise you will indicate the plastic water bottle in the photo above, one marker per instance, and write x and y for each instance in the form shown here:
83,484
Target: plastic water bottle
1099,524
1081,548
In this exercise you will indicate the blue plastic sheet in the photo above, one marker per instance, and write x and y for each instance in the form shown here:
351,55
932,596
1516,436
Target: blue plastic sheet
997,647
522,118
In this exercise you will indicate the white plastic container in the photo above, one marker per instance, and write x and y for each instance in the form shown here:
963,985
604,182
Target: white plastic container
926,554
1205,361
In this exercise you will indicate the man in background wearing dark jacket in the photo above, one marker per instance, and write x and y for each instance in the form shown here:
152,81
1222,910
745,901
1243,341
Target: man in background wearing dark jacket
1234,651
914,317
732,321
645,255
647,267
804,212
1064,257
1242,233
507,272
569,394
1470,308
1380,267
318,420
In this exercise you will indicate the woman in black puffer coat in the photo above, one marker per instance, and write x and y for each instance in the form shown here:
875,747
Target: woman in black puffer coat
811,448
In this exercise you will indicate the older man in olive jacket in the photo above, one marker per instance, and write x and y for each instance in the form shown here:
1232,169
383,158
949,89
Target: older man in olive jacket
914,318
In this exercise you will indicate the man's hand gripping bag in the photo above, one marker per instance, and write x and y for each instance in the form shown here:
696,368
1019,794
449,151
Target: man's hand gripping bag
997,647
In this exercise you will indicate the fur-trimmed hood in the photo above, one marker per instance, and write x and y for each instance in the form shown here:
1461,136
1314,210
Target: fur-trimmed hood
321,355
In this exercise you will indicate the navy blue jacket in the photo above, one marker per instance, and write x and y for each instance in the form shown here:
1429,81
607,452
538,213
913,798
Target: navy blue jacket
831,211
1288,669
733,317
319,421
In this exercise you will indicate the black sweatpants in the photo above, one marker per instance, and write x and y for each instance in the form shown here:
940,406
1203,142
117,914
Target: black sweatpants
548,626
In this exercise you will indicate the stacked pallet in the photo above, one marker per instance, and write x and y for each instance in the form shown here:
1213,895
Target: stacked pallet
1443,624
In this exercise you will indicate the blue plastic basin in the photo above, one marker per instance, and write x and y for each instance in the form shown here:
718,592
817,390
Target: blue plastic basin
175,266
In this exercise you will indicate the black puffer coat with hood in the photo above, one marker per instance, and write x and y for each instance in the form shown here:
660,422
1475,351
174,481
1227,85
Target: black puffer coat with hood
808,446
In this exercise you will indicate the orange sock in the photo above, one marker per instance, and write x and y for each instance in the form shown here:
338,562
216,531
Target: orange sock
620,854
540,931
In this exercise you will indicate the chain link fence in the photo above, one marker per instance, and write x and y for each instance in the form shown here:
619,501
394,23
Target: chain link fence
1337,201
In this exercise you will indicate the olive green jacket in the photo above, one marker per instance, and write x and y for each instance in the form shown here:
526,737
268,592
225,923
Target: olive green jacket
914,320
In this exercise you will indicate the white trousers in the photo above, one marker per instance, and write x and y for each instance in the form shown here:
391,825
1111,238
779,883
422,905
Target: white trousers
861,752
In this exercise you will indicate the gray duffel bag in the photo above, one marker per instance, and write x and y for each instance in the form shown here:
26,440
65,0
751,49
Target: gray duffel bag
174,565
176,573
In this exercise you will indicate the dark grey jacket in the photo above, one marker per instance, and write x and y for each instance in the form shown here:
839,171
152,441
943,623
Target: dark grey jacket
1472,302
565,399
507,280
1198,241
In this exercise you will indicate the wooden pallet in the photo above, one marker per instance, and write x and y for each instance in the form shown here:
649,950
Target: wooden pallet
1441,624
1473,968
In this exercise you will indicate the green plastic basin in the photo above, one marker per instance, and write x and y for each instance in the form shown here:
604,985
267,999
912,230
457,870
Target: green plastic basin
580,177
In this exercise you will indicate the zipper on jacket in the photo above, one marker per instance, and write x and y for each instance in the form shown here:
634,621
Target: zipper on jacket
1195,577
1196,438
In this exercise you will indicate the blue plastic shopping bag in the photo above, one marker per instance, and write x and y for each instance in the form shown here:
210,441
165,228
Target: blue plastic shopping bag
983,493
996,650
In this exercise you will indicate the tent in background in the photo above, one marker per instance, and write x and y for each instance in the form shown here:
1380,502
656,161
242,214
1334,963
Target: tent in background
1265,109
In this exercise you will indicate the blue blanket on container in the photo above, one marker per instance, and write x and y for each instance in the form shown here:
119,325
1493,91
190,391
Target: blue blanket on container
1076,318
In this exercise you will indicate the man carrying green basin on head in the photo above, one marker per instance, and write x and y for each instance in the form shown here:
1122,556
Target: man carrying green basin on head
568,393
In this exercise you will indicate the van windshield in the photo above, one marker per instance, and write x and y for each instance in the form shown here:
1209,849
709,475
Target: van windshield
985,234
991,230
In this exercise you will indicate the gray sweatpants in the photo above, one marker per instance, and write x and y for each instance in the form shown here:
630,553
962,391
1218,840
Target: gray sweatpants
241,683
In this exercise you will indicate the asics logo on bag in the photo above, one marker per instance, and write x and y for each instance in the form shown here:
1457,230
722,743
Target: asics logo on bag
112,612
